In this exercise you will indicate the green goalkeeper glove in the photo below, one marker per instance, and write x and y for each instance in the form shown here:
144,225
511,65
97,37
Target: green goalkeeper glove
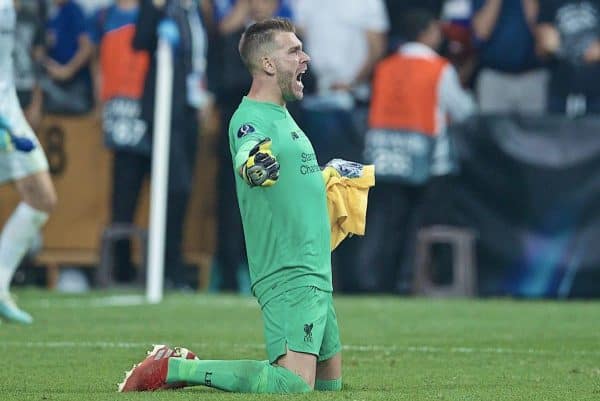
261,168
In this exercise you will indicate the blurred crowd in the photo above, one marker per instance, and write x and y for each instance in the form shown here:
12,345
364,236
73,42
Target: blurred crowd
379,68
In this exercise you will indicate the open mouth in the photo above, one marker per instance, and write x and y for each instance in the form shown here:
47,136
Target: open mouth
299,77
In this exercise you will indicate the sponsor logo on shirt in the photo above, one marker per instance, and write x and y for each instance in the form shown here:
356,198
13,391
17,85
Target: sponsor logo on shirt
310,164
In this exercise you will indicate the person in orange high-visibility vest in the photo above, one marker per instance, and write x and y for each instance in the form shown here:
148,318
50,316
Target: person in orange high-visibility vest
415,93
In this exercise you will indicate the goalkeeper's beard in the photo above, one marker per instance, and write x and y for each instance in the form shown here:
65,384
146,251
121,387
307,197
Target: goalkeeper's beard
285,81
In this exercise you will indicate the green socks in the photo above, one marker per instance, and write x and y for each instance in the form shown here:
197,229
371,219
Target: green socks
237,376
328,385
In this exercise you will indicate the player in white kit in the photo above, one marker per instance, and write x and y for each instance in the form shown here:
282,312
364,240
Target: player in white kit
23,162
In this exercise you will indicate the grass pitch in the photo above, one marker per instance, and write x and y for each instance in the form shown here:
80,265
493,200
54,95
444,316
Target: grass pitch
394,348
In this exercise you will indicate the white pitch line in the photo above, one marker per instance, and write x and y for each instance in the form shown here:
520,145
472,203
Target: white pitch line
136,300
386,349
110,301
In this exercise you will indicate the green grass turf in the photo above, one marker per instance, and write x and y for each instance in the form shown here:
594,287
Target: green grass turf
395,348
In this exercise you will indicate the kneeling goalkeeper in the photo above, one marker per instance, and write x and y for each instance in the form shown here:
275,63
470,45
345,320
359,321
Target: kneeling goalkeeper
282,200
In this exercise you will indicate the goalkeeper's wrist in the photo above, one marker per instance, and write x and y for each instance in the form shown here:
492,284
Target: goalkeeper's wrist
248,179
242,155
257,174
261,168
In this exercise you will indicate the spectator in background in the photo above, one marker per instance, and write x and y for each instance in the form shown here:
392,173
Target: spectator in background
23,164
28,53
345,38
396,10
232,15
456,26
568,35
510,79
414,91
456,18
91,7
181,23
68,87
120,73
232,81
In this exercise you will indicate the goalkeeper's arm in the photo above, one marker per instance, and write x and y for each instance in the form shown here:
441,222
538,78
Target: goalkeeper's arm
256,163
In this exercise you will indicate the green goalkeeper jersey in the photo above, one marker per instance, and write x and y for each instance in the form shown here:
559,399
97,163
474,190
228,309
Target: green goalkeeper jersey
286,226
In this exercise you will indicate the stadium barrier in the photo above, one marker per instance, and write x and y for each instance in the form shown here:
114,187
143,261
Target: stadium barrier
81,170
529,187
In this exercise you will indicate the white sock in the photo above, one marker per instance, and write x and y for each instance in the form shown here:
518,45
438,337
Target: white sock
16,238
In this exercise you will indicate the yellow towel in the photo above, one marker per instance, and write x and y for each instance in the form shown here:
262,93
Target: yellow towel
347,200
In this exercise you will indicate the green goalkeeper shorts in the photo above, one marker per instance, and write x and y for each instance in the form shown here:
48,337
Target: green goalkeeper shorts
303,320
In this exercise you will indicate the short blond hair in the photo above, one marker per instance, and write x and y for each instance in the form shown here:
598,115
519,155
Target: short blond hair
258,39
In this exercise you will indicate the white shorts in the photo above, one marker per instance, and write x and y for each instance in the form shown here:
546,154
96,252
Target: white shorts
16,165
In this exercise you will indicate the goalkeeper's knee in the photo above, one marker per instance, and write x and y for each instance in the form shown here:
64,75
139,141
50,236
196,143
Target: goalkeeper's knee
261,168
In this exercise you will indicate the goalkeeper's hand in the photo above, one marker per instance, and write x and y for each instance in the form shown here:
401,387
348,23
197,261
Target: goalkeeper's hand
261,168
